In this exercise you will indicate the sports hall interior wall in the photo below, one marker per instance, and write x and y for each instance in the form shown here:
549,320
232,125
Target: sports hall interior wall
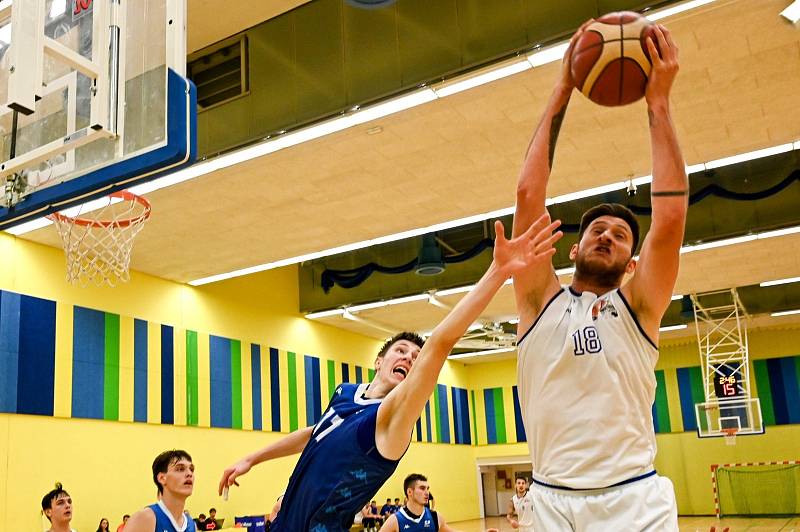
75,415
92,440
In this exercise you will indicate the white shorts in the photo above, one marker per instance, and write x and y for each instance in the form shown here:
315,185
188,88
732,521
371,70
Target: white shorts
645,505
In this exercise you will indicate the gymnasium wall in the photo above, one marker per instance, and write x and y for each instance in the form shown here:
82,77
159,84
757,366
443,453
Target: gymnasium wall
94,382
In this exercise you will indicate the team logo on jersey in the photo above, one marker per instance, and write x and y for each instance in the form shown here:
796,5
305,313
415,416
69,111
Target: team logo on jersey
359,474
604,306
427,523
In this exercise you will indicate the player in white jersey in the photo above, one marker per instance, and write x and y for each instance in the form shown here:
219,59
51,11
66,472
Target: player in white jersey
587,352
520,507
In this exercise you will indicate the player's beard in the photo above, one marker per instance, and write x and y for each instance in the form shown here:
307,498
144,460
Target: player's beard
601,274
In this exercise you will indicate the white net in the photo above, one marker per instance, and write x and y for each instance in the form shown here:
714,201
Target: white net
98,244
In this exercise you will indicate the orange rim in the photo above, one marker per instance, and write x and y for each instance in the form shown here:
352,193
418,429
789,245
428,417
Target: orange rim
124,195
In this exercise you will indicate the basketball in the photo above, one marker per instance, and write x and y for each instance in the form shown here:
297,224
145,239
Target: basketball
610,62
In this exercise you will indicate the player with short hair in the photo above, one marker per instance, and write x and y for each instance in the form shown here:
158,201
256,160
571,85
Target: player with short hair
415,516
173,475
366,429
587,352
520,507
57,507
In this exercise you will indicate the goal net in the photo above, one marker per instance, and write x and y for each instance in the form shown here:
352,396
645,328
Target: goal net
770,489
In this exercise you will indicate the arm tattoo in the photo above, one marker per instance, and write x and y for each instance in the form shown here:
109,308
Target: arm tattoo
657,193
555,129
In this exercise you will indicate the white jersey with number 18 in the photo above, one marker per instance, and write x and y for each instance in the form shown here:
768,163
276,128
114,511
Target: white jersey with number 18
585,372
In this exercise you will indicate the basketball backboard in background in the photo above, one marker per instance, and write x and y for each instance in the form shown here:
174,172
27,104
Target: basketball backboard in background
94,99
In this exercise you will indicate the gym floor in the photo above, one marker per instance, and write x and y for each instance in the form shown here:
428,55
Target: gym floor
687,524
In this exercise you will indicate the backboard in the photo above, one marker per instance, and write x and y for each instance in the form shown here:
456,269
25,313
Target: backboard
94,100
716,417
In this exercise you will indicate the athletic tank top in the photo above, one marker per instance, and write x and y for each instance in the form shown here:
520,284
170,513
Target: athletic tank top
427,522
340,469
165,523
523,507
586,381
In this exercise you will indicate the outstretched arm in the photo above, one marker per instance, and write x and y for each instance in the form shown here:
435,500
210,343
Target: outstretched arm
534,286
650,289
289,445
400,409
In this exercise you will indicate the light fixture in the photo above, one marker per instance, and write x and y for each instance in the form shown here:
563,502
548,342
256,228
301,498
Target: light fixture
548,55
749,156
785,313
463,83
429,260
673,327
680,8
676,297
779,281
482,353
513,321
792,13
325,314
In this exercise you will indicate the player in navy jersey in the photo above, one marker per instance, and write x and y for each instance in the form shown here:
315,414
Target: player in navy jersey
366,428
173,474
415,516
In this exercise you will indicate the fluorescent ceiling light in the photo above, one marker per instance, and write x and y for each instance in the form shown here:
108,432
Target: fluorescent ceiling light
459,85
475,326
27,227
749,156
548,55
676,297
792,13
482,353
513,321
785,313
779,232
367,306
451,291
780,281
325,314
408,299
719,243
673,327
668,12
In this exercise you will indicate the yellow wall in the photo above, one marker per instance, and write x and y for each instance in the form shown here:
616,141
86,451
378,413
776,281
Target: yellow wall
105,465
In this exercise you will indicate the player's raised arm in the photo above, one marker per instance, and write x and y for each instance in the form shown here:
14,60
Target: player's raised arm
286,446
533,286
650,289
398,413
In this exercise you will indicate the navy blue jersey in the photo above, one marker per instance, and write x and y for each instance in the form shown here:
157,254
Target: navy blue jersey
165,524
340,469
407,522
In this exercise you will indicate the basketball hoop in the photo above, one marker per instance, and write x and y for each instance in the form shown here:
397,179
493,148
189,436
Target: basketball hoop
730,436
98,245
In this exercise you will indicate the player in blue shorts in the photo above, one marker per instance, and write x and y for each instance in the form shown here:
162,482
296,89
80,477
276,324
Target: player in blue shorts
415,516
366,429
173,474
